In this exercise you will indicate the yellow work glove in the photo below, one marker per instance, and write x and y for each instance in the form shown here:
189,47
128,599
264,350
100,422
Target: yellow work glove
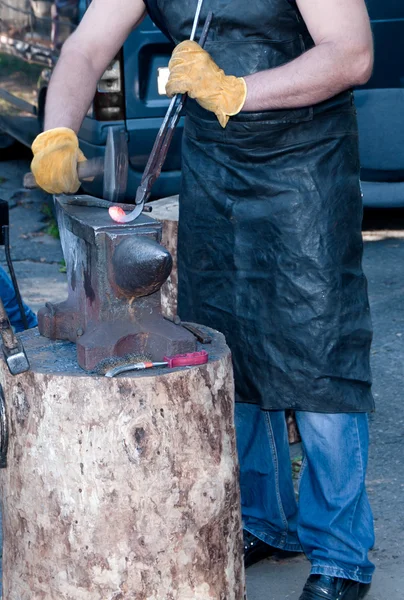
54,166
193,71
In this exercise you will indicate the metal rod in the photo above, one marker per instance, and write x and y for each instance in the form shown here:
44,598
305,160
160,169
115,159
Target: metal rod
6,236
196,19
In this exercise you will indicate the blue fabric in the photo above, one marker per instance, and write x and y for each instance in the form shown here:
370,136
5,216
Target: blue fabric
333,521
10,304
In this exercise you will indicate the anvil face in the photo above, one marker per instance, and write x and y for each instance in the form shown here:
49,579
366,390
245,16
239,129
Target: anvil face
114,273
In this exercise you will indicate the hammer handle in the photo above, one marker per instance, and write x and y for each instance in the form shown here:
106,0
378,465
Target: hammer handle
86,169
9,340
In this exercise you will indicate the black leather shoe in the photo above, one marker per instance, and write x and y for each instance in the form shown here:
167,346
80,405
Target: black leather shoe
256,550
322,587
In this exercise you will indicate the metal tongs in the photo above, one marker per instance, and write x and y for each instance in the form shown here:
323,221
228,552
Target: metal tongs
163,140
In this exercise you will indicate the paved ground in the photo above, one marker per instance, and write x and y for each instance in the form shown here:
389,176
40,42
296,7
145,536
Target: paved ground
38,258
384,266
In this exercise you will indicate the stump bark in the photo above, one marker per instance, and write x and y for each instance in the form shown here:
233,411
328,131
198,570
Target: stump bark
166,210
120,489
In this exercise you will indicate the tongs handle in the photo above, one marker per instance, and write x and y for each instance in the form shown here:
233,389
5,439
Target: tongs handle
162,142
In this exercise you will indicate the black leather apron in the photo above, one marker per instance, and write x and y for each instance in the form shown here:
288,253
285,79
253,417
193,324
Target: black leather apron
270,244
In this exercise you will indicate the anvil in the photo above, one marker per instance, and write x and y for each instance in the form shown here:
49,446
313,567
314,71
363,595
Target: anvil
115,272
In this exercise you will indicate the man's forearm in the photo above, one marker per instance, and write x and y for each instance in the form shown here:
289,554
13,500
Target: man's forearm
71,91
317,75
85,56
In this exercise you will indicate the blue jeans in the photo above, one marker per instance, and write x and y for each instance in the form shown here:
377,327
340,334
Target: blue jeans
7,294
333,523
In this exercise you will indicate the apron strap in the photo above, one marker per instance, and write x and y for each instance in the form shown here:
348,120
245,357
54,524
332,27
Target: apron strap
156,17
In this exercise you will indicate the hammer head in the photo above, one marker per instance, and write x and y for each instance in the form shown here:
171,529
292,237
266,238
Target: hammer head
16,359
116,164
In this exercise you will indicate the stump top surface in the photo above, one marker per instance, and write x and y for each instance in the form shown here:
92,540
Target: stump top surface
166,209
59,357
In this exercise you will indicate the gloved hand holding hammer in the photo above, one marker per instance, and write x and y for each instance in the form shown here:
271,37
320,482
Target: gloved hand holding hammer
56,155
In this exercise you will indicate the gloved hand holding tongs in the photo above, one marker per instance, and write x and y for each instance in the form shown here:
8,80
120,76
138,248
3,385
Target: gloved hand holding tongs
166,132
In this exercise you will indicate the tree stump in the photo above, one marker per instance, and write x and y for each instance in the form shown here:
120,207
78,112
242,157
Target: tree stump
120,489
166,210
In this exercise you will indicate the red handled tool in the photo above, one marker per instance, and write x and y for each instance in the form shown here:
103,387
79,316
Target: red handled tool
190,359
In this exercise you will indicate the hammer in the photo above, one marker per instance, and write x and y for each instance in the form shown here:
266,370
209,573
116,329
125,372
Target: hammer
13,350
114,167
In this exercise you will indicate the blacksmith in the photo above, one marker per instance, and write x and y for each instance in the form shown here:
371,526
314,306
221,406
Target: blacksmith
270,245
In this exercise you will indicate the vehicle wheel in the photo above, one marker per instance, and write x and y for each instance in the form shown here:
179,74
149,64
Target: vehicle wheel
41,107
6,141
12,149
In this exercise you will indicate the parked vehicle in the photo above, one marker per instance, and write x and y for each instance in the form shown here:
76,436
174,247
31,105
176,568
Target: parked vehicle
380,107
130,94
387,17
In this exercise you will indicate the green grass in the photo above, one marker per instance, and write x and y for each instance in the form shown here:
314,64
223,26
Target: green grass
14,63
296,466
51,223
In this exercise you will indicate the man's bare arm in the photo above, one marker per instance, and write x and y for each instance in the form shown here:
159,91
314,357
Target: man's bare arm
85,56
341,58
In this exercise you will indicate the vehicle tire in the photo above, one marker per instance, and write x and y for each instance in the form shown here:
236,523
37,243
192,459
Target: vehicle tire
41,107
6,141
12,149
